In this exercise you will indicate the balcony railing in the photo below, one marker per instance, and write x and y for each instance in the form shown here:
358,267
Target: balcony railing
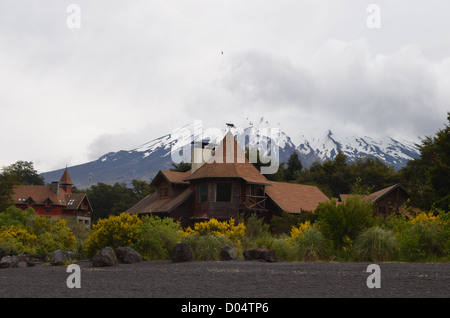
254,201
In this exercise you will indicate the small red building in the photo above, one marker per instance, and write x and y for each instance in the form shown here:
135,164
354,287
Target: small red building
56,199
223,188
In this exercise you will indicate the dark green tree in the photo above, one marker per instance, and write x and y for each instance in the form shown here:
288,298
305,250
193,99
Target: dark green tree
294,167
114,199
7,182
428,176
24,173
181,167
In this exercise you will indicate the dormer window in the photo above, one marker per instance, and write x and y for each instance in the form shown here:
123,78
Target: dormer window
163,193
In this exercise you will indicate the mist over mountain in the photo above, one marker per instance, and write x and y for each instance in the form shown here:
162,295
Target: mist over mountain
144,162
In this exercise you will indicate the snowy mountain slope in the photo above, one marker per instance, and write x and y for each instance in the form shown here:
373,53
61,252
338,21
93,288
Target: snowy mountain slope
143,162
390,151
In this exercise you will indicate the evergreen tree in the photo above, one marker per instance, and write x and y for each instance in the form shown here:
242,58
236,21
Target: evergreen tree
294,167
428,176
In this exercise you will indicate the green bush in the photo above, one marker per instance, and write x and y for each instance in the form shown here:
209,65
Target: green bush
52,234
157,237
16,216
257,231
424,238
310,245
282,224
342,223
25,232
376,244
206,247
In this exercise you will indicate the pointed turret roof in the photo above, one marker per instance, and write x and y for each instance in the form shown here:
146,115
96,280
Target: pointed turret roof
232,164
65,179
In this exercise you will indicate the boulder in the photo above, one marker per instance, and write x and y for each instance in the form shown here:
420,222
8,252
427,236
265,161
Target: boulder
270,256
261,253
228,253
127,255
105,257
25,261
9,261
61,257
182,253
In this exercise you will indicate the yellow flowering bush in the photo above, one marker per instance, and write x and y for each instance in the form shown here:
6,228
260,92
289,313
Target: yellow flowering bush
17,238
216,227
297,231
115,231
424,218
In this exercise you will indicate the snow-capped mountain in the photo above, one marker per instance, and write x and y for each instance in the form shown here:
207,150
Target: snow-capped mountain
325,147
143,162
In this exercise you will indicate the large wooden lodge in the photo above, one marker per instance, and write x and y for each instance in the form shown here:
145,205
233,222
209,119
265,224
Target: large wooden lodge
223,189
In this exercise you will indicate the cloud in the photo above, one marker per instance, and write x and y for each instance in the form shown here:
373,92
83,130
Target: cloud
342,84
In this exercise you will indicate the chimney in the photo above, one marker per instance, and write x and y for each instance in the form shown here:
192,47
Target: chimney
55,187
198,154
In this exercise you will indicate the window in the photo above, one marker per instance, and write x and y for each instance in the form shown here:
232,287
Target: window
202,193
224,192
382,210
163,193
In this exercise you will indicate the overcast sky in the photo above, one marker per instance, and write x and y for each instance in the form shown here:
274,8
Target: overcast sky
135,70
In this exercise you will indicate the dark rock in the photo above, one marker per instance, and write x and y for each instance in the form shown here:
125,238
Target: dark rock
61,257
25,261
9,261
182,253
228,253
127,255
105,257
261,254
270,256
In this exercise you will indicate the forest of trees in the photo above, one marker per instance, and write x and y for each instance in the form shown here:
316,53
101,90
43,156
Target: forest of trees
426,178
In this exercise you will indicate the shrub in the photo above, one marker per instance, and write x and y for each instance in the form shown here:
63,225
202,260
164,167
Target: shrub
206,247
41,237
15,239
157,237
376,244
221,228
115,231
16,216
256,232
310,245
283,224
52,234
297,231
426,237
341,223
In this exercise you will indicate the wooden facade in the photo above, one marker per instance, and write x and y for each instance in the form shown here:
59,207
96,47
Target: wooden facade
393,199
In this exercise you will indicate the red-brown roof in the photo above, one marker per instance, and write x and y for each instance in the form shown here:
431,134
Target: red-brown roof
175,176
375,196
294,198
40,194
152,203
65,179
230,163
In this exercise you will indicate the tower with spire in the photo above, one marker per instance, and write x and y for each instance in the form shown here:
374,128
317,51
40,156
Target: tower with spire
65,182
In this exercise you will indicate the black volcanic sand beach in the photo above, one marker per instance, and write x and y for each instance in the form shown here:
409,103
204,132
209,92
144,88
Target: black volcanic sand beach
229,279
